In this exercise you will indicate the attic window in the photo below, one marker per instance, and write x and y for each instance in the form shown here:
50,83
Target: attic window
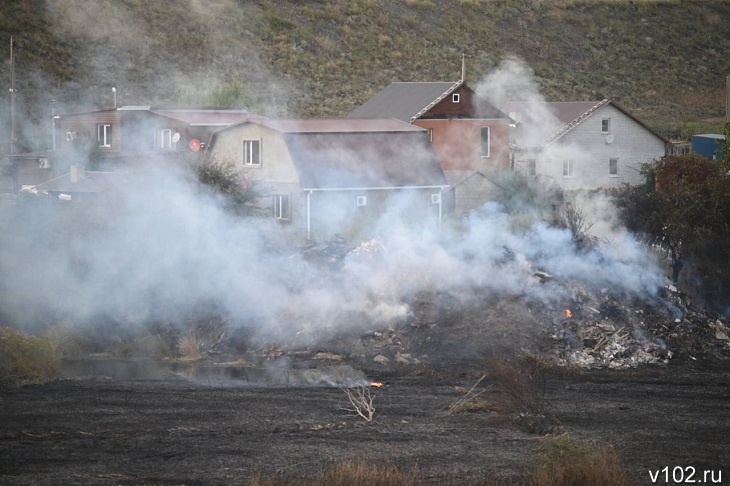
606,125
251,152
455,98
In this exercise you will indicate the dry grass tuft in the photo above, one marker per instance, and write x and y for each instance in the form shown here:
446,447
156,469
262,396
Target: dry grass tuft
523,388
471,400
189,347
362,473
26,359
566,462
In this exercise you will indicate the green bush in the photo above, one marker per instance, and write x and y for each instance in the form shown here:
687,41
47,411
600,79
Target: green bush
26,359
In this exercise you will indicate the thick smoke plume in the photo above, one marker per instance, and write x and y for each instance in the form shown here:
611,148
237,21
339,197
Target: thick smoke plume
161,247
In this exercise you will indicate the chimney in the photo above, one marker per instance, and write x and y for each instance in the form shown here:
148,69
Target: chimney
78,172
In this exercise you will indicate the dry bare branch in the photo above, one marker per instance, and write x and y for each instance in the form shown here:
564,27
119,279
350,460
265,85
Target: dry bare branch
362,402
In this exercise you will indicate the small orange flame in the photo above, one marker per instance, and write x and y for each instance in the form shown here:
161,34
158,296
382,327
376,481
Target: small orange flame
568,314
376,384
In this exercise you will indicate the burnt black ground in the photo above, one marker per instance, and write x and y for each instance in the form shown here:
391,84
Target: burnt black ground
179,432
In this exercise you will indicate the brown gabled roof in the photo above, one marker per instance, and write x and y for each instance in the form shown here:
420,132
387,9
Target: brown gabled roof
206,117
190,116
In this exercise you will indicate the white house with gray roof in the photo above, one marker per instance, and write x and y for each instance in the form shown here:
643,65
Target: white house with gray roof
582,144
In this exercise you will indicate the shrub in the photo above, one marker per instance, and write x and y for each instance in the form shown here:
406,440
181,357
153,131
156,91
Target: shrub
26,359
566,462
523,390
68,341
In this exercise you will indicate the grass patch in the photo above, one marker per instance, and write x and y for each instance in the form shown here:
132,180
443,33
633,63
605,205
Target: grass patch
26,359
351,473
566,462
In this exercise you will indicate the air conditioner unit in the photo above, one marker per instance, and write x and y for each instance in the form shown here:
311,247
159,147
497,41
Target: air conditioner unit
361,201
436,198
44,164
70,136
609,138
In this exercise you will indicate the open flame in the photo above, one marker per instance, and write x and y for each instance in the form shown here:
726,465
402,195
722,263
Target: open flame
568,314
376,384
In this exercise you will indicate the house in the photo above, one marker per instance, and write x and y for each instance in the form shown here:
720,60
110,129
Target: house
105,139
582,144
326,177
468,133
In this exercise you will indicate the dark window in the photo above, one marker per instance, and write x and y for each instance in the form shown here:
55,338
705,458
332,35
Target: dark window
485,142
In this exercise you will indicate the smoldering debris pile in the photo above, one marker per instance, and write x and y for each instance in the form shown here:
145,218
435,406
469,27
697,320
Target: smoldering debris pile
573,323
605,331
591,343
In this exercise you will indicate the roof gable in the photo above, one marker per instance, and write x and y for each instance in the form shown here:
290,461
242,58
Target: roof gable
570,114
411,101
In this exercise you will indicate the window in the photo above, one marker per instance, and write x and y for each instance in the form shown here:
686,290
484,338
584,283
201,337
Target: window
166,139
613,167
568,168
282,207
485,141
104,134
251,152
606,125
361,201
531,167
430,135
455,98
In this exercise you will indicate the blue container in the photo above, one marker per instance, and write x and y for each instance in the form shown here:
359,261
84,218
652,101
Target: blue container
708,145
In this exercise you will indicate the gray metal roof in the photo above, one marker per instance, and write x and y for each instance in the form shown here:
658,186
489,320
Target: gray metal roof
364,159
402,100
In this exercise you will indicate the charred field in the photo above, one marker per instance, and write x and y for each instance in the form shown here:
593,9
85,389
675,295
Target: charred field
177,432
281,413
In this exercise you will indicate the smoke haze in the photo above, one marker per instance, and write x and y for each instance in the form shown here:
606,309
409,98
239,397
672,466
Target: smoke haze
160,246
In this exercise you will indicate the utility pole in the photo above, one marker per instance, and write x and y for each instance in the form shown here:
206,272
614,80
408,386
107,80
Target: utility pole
727,100
12,99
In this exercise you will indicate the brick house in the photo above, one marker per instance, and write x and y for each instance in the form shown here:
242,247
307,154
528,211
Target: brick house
468,133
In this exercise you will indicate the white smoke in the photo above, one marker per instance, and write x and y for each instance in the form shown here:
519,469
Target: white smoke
162,247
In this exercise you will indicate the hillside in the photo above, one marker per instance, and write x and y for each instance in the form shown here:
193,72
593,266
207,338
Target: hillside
665,62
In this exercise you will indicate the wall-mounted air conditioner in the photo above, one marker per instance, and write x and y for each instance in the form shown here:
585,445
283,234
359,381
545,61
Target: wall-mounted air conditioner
44,163
361,201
